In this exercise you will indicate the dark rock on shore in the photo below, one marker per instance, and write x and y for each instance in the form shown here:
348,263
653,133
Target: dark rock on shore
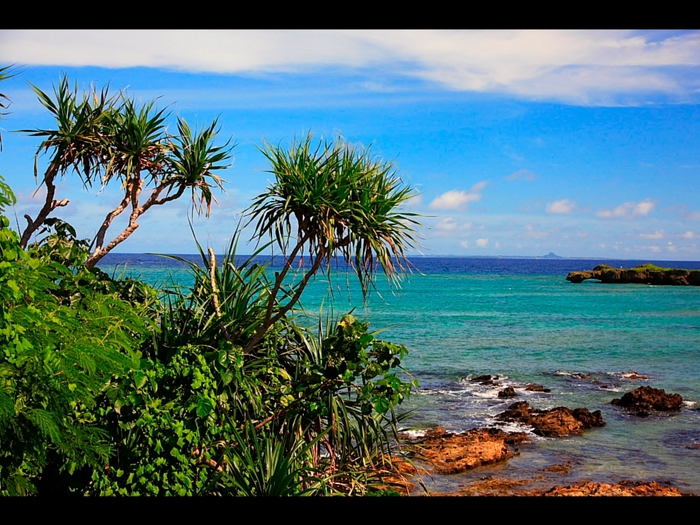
557,422
532,387
507,392
645,398
643,274
486,379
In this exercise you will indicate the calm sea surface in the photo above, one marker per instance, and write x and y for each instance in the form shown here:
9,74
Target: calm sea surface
521,320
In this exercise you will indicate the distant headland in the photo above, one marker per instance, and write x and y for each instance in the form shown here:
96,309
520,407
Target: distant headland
643,274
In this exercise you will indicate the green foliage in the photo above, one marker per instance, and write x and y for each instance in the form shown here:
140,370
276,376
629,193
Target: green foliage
7,198
344,202
302,414
5,73
166,422
65,334
263,464
111,387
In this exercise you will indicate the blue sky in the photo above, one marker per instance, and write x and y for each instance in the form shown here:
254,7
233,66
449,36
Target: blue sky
582,143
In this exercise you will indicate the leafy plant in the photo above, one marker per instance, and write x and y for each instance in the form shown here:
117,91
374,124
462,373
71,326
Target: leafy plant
65,334
261,463
103,137
343,202
5,73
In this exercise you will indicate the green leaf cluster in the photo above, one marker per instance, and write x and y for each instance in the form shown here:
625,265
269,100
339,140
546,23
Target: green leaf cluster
65,335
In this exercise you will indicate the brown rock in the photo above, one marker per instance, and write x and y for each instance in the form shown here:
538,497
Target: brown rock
508,391
511,487
486,379
625,488
451,453
532,387
559,469
557,422
588,418
646,398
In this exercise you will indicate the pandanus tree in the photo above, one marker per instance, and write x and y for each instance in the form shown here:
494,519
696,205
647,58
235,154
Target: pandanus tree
103,138
344,203
5,73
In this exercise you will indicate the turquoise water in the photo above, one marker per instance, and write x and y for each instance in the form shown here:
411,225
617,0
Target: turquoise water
521,320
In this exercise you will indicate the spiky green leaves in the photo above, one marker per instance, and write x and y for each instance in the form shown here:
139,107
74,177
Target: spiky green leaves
79,140
103,137
342,201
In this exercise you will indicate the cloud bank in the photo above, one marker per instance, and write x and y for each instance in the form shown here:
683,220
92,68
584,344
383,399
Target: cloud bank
628,210
574,67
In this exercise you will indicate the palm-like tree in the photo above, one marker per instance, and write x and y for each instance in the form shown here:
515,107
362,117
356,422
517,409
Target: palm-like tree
343,202
5,73
103,138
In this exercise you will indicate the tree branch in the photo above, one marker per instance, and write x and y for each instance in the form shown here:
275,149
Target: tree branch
50,204
279,278
133,189
215,292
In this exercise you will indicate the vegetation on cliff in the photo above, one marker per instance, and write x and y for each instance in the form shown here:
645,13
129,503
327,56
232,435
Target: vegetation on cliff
110,386
642,274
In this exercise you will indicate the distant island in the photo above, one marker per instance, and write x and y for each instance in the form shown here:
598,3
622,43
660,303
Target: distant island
551,255
642,274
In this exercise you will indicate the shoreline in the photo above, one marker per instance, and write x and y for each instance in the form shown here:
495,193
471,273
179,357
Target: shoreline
489,461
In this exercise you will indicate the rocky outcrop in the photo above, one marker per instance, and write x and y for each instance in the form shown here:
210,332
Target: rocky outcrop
511,487
557,422
485,380
643,274
451,453
507,392
532,387
645,399
625,488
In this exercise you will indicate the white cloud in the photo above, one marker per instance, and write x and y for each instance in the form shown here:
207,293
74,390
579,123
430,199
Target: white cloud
643,208
659,234
562,207
458,200
448,223
525,175
465,244
688,235
413,202
481,243
578,67
628,210
692,216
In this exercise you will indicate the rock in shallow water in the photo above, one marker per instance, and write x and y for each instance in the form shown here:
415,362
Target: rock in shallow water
646,398
557,422
508,391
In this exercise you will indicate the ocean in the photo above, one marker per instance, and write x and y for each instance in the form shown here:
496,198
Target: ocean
520,320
